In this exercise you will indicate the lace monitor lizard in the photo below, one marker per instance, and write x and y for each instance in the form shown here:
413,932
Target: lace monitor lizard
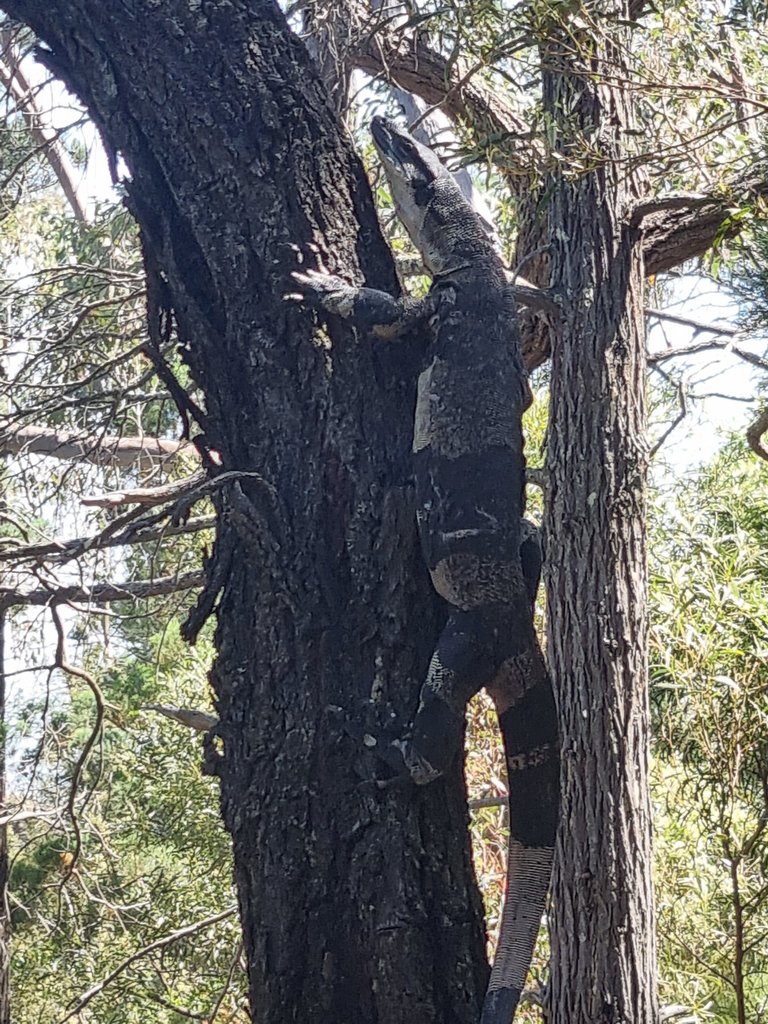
470,493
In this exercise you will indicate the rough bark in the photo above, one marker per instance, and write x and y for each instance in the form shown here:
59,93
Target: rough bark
603,950
5,916
357,905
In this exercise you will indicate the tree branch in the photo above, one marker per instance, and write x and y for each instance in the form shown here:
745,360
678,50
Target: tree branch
699,326
654,358
200,721
140,532
123,452
147,495
673,236
682,399
64,665
102,593
15,82
185,492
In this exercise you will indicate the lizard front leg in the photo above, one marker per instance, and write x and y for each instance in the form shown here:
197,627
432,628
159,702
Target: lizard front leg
376,311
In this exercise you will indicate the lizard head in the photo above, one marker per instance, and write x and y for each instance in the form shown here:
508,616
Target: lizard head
439,220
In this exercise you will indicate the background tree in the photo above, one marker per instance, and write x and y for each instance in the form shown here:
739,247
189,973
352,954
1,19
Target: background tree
709,688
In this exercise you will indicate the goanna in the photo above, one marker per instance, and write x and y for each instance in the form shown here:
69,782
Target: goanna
470,492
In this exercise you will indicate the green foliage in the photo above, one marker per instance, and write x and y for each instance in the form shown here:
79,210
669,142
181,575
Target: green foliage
710,702
153,858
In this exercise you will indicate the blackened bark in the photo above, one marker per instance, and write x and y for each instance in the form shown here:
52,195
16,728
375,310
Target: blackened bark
603,949
356,905
5,915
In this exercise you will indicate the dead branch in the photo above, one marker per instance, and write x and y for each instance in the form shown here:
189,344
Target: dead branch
487,801
13,817
123,452
185,492
682,399
699,326
654,358
147,495
200,721
102,593
140,532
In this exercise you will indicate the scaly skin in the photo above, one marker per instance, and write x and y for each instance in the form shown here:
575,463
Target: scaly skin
470,492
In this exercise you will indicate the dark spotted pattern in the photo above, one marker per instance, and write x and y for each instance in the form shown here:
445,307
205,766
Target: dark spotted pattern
483,557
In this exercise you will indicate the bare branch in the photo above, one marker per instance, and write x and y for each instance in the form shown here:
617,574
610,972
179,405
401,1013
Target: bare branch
15,81
118,451
699,326
200,721
527,294
12,817
102,593
487,801
167,940
147,495
186,492
683,403
654,358
139,532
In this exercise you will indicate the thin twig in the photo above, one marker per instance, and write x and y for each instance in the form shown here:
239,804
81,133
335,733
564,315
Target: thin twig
79,673
167,940
682,399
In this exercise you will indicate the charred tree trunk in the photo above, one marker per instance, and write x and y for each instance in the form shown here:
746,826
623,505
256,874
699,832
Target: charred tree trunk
603,950
356,905
5,910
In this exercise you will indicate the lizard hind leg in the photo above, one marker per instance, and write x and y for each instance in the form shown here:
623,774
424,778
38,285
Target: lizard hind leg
462,664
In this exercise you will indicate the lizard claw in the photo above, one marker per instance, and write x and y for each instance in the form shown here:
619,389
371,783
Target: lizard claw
327,291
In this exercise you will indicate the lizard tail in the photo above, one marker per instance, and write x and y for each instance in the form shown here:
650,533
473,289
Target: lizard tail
529,731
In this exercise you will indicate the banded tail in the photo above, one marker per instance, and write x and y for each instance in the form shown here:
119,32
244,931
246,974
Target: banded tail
530,735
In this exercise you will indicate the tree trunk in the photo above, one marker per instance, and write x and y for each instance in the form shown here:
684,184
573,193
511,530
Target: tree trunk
603,952
5,910
356,904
